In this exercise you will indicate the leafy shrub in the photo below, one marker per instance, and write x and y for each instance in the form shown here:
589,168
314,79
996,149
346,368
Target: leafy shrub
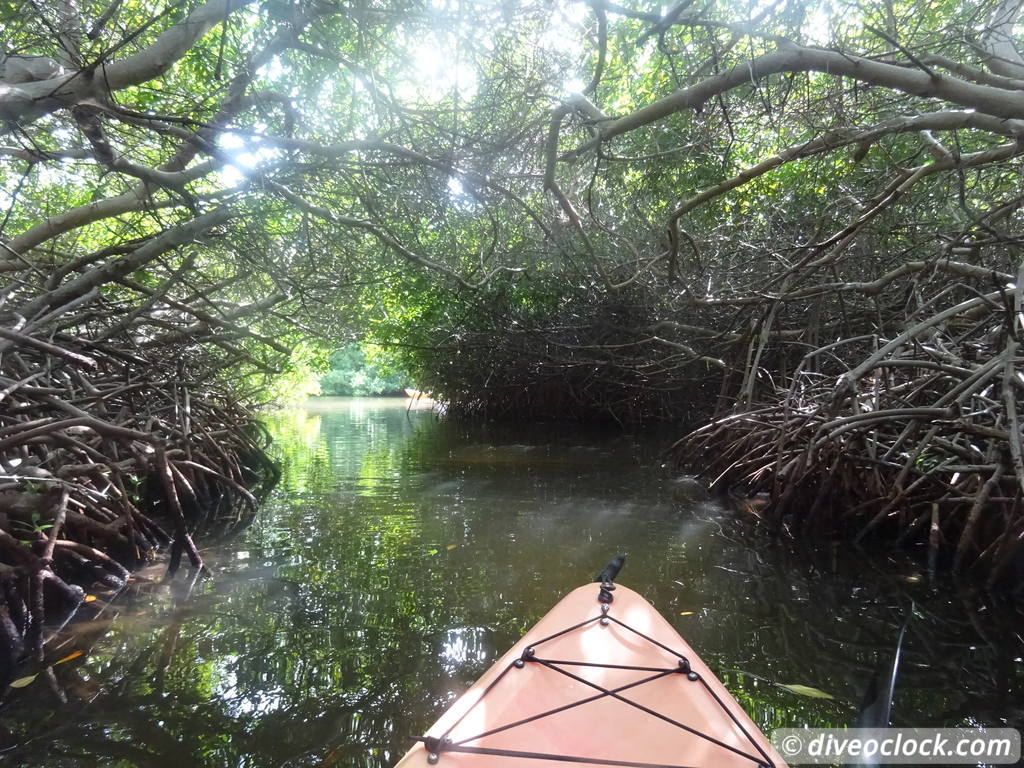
352,375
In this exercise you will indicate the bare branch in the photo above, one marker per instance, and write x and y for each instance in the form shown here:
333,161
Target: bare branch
1004,58
983,98
26,102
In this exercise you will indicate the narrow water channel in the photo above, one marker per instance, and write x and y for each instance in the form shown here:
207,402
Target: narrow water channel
401,555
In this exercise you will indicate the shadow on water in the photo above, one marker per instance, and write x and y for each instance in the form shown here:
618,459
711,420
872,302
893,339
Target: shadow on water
402,554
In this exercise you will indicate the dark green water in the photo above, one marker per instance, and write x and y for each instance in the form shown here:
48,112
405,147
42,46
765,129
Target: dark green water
401,555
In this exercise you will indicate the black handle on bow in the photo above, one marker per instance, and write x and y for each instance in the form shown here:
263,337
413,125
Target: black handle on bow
612,569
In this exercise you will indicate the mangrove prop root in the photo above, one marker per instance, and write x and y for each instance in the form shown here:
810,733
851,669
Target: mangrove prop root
916,443
109,451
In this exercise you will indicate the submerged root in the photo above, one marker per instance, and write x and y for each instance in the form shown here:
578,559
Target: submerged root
919,444
107,455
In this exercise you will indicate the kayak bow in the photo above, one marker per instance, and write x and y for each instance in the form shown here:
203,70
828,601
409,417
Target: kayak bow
602,679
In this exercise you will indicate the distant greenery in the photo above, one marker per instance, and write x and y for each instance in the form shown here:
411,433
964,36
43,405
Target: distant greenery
354,374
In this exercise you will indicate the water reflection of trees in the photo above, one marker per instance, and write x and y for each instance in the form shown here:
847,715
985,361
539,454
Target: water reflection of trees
342,623
831,618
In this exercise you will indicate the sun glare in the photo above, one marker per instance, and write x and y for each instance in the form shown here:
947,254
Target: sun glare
437,73
244,155
455,186
574,85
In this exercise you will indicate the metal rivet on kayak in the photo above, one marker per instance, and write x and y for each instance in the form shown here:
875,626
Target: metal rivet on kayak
433,757
693,676
684,665
604,621
518,663
604,607
530,652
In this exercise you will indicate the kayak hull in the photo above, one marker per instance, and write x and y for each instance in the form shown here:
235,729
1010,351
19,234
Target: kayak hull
586,686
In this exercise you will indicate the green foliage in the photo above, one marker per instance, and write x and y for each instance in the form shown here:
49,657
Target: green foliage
296,378
32,528
355,374
439,118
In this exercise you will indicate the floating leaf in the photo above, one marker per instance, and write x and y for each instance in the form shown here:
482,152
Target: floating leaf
450,547
21,682
806,690
70,656
431,551
90,598
686,613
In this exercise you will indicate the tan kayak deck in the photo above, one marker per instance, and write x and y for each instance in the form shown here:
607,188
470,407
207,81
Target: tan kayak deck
593,683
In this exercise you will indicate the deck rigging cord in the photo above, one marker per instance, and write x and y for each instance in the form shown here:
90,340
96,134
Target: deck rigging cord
437,745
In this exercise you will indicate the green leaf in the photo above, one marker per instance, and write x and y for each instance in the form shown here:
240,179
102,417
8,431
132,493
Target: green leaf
806,690
21,682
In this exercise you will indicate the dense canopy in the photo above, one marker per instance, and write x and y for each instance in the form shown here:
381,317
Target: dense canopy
793,227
